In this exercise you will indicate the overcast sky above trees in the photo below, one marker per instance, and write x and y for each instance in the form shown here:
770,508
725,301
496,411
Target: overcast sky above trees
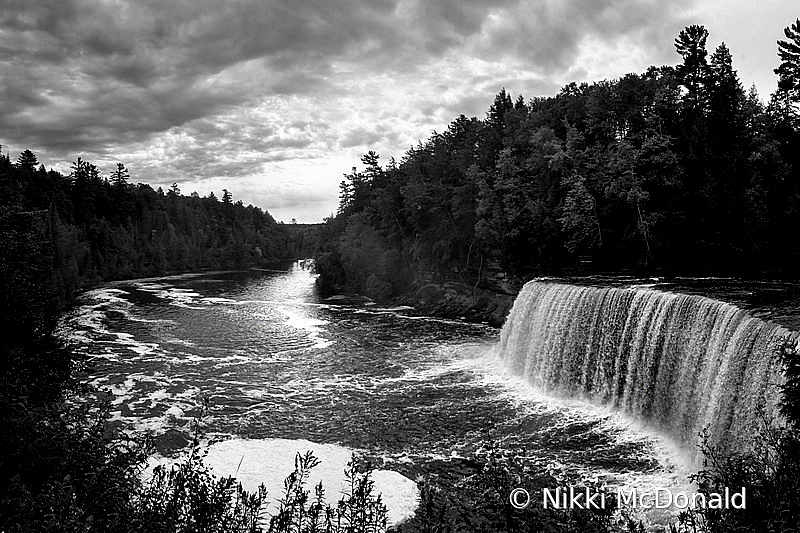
275,99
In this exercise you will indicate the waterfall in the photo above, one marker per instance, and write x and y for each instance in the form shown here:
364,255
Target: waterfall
679,362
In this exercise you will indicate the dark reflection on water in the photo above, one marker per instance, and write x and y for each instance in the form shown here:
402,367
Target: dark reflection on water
276,361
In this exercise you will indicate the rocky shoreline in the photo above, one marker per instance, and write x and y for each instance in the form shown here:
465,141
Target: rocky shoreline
460,300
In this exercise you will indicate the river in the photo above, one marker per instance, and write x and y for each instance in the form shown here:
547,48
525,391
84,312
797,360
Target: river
283,370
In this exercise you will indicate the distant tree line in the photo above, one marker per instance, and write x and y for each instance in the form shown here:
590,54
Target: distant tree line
99,227
677,170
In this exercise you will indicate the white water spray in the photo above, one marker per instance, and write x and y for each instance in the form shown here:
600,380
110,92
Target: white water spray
680,362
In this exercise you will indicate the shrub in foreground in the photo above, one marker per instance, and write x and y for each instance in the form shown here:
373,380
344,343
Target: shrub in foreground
769,469
480,502
189,498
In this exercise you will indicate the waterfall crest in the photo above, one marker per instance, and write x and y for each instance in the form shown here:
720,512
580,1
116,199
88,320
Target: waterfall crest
680,362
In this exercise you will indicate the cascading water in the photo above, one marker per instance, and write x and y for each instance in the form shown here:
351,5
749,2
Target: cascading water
680,362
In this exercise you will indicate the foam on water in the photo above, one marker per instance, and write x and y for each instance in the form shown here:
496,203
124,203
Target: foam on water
86,324
179,297
217,300
672,462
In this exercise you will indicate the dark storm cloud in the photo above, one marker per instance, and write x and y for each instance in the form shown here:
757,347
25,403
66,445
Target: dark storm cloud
200,90
127,69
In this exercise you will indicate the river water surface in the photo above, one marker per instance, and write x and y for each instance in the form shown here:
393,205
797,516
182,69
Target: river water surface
283,370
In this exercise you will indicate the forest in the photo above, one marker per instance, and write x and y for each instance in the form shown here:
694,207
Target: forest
100,228
679,170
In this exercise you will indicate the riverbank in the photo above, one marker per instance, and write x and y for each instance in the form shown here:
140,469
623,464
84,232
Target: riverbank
460,300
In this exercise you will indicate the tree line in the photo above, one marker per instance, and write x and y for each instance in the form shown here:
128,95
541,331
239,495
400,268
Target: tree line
105,227
677,170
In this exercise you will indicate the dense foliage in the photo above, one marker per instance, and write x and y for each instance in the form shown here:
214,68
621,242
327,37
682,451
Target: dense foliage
676,170
480,501
107,228
769,469
188,498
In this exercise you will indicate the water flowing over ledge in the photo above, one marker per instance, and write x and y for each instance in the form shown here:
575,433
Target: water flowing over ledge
679,362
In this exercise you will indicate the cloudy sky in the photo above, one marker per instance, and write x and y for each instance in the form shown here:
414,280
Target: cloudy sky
275,99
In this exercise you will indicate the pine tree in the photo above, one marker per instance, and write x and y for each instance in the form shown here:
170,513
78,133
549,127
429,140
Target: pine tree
373,170
79,171
726,92
789,70
496,124
120,176
227,198
495,118
345,195
693,73
5,164
27,161
94,173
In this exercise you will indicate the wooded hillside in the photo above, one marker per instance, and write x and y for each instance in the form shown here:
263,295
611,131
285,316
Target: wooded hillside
677,170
